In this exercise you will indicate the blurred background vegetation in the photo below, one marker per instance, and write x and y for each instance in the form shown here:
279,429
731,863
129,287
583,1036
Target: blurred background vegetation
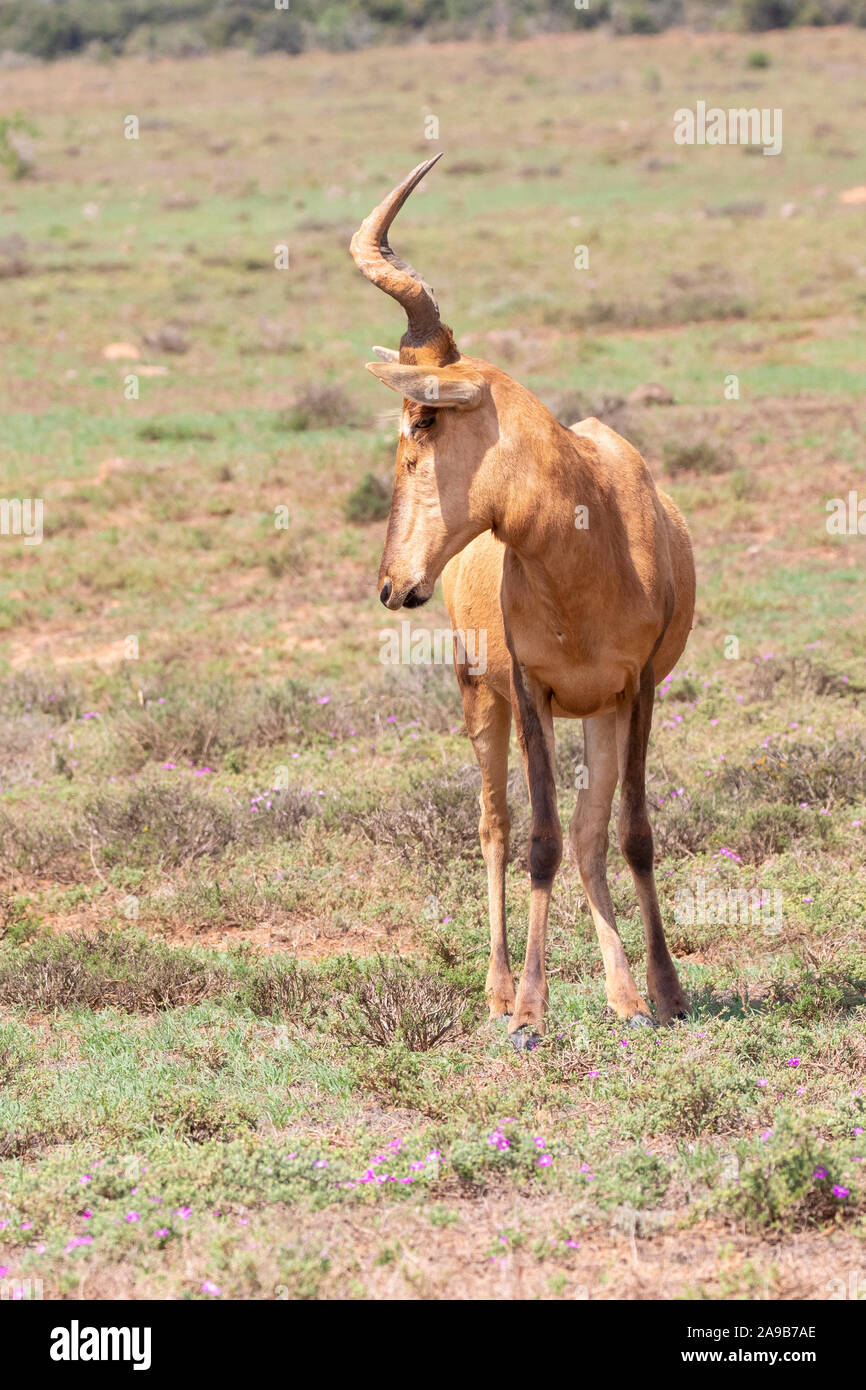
183,28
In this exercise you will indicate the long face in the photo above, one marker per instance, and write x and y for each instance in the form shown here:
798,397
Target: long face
447,426
440,501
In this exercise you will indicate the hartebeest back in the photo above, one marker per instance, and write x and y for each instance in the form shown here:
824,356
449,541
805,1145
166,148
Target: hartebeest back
557,543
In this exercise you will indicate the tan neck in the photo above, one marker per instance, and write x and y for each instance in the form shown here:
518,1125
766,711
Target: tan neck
540,481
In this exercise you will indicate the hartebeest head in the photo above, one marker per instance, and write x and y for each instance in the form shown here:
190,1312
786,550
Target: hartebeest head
448,423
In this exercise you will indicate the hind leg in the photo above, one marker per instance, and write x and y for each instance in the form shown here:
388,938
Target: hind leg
534,721
633,721
589,841
488,721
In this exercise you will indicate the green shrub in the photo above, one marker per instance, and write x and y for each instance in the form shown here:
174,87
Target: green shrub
697,456
641,1180
278,33
779,1179
369,501
187,28
759,15
317,406
12,156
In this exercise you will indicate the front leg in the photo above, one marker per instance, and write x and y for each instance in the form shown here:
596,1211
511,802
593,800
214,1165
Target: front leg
534,722
488,723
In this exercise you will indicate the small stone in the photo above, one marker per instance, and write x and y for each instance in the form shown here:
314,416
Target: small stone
167,339
651,393
120,352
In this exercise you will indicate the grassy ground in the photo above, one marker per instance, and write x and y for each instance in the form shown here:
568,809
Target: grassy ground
243,951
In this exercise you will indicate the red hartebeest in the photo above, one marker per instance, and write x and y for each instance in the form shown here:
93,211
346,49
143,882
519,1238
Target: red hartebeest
582,620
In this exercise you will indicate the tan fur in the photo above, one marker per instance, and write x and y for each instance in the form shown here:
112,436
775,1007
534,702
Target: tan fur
579,623
472,581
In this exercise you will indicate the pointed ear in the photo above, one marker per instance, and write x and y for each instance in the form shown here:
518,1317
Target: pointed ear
387,354
456,385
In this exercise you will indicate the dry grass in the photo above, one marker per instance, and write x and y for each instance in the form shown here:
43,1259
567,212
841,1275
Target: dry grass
463,1250
105,971
259,650
400,1003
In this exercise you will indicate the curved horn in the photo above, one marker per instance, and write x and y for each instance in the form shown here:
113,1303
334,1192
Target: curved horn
375,259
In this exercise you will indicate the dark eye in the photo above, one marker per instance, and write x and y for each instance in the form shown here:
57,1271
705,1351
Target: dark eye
427,423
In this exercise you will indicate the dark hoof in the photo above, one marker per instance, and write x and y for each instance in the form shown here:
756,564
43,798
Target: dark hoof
641,1021
523,1039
